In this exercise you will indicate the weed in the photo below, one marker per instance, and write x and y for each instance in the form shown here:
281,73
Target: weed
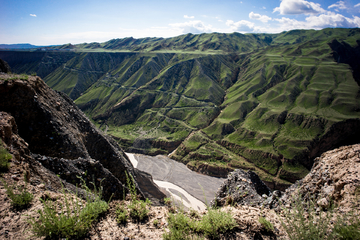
69,219
214,223
194,214
348,226
19,200
138,209
168,202
266,224
156,223
305,221
121,214
180,226
130,183
24,77
5,156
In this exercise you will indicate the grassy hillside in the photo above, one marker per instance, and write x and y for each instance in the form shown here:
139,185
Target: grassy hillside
267,102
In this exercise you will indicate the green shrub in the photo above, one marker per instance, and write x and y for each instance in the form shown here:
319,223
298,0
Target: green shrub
121,214
168,202
24,77
156,223
216,222
306,221
348,226
19,200
138,209
266,224
5,156
180,226
69,219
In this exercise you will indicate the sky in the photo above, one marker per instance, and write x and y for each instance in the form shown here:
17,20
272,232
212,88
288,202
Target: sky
50,22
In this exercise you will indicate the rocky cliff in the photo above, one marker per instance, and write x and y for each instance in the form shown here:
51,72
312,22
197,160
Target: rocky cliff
63,140
334,178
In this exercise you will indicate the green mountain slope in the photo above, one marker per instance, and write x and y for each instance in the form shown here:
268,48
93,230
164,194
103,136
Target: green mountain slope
266,102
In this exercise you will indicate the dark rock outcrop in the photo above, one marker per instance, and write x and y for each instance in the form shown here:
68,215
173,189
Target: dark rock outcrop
53,126
4,67
243,188
89,170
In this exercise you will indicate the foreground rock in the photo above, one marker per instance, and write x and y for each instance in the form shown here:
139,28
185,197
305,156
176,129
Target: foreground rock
335,176
52,126
241,188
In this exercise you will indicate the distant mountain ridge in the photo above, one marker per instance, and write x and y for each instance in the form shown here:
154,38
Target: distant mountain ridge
214,42
217,102
18,46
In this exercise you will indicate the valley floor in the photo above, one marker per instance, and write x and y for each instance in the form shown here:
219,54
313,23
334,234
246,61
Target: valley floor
177,180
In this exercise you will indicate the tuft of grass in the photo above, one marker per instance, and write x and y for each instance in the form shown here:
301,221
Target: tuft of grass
180,226
168,202
19,200
211,225
121,214
24,77
69,219
156,223
266,224
216,222
306,221
5,156
138,209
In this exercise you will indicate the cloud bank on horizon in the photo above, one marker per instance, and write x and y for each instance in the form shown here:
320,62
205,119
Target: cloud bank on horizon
88,21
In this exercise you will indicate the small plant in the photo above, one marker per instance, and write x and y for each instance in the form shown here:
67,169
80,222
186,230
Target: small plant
156,223
168,202
194,214
216,222
5,156
33,74
19,200
24,77
180,226
69,219
138,209
121,214
266,224
347,226
305,221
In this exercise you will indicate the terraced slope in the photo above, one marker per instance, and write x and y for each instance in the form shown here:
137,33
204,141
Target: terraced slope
265,102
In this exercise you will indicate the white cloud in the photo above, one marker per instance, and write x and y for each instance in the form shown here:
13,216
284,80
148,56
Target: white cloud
33,15
330,19
357,5
339,5
298,7
195,27
259,17
186,16
240,26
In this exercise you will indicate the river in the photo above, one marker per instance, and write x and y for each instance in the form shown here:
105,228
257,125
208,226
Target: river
194,190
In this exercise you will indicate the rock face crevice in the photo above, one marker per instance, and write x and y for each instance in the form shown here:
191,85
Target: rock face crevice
54,127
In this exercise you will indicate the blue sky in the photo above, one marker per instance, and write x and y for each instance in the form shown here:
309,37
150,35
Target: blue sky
48,22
